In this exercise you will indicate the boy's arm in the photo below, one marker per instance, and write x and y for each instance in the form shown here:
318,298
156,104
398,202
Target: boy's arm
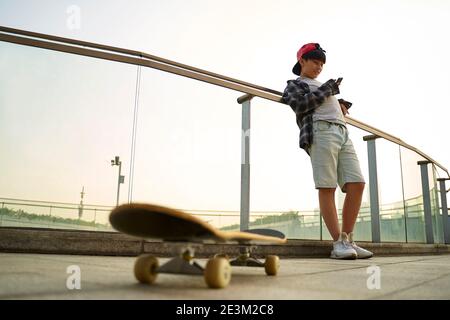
302,101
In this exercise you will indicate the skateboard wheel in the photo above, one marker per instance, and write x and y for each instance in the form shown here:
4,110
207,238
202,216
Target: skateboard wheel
217,272
145,268
271,265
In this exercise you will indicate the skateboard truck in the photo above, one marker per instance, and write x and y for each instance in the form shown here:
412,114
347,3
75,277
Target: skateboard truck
183,264
246,259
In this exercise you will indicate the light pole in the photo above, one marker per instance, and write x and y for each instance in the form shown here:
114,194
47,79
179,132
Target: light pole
117,162
80,207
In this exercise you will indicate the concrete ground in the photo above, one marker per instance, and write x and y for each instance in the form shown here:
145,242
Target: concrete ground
39,276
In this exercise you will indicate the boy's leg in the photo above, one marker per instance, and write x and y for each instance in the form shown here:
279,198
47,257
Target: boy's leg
352,204
351,180
350,211
324,159
328,210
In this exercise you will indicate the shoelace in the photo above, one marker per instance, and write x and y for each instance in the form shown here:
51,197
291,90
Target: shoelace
347,244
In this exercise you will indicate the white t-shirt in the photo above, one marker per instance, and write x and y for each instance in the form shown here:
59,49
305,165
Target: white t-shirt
330,109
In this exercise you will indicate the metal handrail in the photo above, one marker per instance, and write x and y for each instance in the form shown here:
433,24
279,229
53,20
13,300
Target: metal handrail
147,60
53,207
53,202
210,213
132,53
139,62
389,137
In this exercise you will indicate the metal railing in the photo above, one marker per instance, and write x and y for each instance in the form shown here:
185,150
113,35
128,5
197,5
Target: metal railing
144,59
250,90
63,215
298,225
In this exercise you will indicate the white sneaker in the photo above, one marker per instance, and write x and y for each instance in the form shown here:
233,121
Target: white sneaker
342,248
362,253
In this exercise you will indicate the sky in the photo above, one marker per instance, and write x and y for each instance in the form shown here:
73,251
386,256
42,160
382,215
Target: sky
64,117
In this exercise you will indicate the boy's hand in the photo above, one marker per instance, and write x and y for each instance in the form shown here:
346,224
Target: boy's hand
343,108
333,86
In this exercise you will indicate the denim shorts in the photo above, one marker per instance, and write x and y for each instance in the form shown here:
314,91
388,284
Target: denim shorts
333,157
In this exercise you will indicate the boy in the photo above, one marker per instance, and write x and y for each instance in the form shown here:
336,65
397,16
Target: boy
324,136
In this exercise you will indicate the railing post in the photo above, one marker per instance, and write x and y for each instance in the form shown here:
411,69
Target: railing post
245,162
445,221
426,201
373,187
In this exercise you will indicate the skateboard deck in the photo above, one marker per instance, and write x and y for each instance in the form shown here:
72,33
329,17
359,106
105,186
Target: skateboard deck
148,221
157,222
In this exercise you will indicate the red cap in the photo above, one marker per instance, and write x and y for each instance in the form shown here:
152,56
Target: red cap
304,50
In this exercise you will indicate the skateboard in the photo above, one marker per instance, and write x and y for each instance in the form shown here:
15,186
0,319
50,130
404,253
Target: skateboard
173,226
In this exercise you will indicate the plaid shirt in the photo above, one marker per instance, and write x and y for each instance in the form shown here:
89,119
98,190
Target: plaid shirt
304,102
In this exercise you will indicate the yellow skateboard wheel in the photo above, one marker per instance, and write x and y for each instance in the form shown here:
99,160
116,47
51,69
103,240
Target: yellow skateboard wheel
145,268
217,273
271,265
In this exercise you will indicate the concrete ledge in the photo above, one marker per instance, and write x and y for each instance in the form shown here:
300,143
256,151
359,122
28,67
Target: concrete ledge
31,240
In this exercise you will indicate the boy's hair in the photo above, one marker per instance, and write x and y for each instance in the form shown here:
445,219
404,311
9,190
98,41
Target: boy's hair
309,51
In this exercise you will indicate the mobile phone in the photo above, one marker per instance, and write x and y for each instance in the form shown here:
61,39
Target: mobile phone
338,81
